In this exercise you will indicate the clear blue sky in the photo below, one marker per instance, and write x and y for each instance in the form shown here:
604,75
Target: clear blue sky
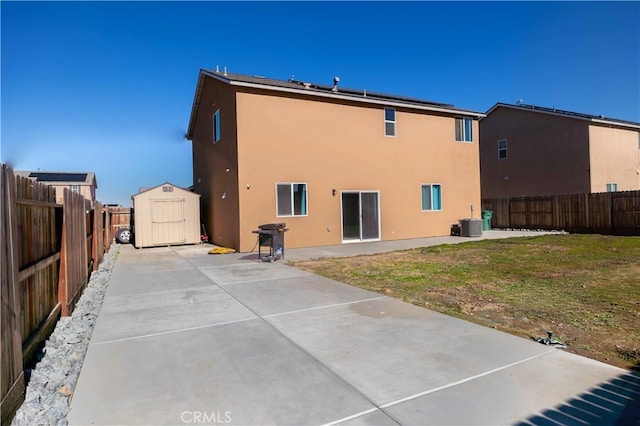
90,86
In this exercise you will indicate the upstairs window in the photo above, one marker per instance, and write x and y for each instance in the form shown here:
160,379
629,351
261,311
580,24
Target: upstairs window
464,129
431,197
502,149
74,188
612,187
291,199
216,126
389,122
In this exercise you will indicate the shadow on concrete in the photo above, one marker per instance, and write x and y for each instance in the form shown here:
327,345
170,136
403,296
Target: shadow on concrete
615,402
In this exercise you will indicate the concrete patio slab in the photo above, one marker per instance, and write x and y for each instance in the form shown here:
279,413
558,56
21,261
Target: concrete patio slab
189,338
131,315
245,373
391,350
278,296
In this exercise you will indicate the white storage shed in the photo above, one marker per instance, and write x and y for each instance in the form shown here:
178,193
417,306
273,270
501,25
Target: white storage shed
166,215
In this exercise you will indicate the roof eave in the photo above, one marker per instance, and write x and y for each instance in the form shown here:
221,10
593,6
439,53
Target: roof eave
353,98
591,120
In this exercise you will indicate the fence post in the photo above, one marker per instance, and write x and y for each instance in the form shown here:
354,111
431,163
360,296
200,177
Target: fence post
63,275
13,388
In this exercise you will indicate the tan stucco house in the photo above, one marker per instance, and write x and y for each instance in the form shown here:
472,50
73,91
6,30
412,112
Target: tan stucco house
527,150
336,165
84,183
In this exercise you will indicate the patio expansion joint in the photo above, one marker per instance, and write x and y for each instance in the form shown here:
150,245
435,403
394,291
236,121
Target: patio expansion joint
162,333
324,307
468,379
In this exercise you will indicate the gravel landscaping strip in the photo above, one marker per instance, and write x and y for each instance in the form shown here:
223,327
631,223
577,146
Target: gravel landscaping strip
54,378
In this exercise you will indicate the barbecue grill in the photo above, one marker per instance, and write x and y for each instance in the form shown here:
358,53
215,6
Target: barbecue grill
271,235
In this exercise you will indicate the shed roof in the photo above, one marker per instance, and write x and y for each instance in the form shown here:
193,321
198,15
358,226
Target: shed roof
599,119
145,190
319,90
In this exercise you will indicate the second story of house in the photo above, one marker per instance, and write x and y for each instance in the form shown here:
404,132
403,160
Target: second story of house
532,150
84,183
252,136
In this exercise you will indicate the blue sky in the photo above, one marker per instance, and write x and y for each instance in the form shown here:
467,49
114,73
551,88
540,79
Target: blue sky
94,86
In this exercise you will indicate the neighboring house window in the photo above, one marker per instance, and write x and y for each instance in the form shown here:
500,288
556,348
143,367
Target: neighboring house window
464,129
291,199
612,187
216,126
389,122
431,197
502,149
74,188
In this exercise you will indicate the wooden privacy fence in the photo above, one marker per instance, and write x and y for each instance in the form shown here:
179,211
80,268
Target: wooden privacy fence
616,213
48,251
120,218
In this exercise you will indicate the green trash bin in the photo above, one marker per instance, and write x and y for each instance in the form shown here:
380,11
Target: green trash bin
486,219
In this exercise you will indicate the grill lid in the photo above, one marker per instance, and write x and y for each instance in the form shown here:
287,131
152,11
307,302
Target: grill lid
272,226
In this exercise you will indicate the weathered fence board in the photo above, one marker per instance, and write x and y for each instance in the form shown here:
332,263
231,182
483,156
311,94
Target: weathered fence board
602,213
74,259
12,376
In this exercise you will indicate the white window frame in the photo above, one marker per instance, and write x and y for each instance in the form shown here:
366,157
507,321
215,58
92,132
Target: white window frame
394,122
431,190
505,149
217,132
306,194
465,138
612,187
75,188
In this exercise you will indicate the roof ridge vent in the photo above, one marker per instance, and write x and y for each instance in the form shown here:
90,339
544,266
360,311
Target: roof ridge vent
307,85
336,80
225,71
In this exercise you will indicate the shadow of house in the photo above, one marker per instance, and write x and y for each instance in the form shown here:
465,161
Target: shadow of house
615,402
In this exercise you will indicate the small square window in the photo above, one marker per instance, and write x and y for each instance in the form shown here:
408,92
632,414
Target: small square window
431,197
389,122
612,187
216,126
291,199
74,188
464,129
167,189
502,149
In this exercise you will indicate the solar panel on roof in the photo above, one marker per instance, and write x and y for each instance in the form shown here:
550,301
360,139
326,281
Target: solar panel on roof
59,177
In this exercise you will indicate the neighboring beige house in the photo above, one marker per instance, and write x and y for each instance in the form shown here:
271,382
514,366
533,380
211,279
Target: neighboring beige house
527,150
82,182
336,165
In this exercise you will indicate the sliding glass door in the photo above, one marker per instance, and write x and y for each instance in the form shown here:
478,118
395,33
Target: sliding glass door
360,216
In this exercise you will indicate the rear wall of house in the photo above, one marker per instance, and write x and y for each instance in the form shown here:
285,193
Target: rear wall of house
215,174
342,147
615,158
546,154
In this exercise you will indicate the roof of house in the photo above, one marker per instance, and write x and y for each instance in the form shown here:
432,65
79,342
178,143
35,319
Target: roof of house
319,90
599,119
61,178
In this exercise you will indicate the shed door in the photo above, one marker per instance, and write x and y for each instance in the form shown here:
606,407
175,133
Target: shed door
167,221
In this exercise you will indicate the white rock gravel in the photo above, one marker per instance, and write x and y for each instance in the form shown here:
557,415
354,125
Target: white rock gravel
54,378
